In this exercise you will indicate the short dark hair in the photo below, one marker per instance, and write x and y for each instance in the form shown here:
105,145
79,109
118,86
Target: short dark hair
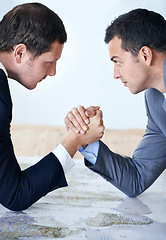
32,24
138,28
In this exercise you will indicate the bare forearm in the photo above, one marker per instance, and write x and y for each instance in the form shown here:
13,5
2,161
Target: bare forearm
71,143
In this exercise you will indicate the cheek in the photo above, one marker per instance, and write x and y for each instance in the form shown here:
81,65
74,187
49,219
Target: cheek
130,73
39,70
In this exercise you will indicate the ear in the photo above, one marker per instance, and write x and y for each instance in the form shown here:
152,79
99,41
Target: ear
146,55
19,52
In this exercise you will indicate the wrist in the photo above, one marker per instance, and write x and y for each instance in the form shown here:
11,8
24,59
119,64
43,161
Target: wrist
71,143
84,146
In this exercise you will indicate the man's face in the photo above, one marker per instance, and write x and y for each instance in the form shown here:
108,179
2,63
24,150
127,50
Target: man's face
34,70
127,67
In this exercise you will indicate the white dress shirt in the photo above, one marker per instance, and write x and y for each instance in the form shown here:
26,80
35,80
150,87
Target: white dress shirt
64,157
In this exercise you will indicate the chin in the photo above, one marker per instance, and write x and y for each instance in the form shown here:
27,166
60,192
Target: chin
26,84
135,91
30,87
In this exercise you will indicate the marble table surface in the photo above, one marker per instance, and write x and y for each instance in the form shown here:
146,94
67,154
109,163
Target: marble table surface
90,208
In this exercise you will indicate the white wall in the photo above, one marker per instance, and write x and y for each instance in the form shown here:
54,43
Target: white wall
84,73
5,7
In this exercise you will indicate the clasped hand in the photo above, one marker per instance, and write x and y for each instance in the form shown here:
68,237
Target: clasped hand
87,123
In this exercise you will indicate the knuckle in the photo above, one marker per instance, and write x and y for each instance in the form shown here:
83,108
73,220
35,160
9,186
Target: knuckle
70,115
102,128
71,111
100,121
100,113
80,107
65,120
75,111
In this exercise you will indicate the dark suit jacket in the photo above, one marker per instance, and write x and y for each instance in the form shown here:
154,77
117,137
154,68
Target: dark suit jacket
136,174
20,189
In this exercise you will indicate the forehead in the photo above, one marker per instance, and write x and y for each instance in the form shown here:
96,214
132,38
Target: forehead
55,51
115,47
56,47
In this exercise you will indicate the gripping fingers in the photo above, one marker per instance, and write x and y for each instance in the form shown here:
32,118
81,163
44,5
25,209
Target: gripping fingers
79,116
82,111
75,122
72,123
99,116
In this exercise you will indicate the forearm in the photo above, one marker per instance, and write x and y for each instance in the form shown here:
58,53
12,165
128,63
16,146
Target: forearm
71,143
20,189
119,171
131,175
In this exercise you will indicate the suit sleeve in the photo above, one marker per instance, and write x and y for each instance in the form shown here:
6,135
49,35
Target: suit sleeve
134,175
20,189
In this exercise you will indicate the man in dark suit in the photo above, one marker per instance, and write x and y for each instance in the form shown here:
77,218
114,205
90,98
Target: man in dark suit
137,47
31,41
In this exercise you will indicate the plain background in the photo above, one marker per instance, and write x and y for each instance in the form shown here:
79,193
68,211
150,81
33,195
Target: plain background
84,72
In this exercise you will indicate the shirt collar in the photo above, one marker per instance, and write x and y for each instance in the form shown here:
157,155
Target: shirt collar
3,68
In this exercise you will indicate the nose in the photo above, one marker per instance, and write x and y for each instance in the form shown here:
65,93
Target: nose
52,70
117,73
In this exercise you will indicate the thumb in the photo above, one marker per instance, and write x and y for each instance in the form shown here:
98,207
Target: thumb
91,111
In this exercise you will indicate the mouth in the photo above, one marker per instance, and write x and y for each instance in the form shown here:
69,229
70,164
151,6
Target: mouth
42,79
125,84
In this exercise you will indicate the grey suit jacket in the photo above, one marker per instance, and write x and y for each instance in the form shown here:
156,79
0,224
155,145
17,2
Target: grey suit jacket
134,175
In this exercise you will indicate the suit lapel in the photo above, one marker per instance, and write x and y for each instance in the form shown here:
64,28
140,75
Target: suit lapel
164,104
164,71
4,90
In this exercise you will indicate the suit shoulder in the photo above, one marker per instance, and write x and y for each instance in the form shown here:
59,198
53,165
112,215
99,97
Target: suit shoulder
152,94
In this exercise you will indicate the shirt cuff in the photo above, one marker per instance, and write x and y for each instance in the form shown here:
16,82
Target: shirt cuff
64,158
90,152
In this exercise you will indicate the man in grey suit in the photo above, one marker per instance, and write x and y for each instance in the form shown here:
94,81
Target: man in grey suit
137,47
